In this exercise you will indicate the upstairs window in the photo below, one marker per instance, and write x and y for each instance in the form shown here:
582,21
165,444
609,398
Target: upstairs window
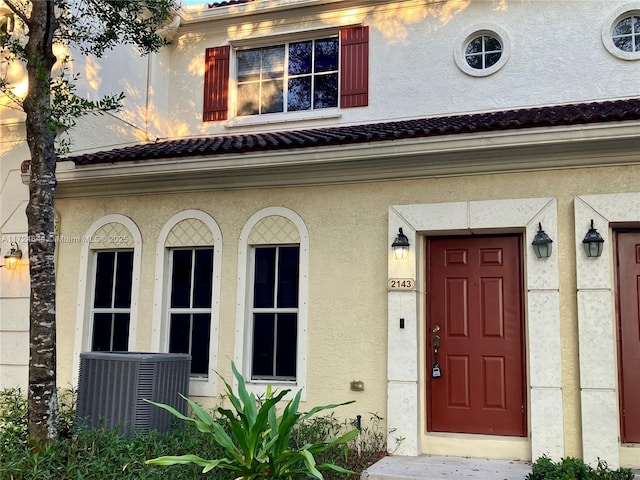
288,78
111,305
626,34
313,74
483,52
621,32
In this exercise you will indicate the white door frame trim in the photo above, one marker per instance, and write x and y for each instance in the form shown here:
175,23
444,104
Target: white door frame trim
597,324
405,415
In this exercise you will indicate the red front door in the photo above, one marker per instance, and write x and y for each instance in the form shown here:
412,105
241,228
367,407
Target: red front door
628,286
474,304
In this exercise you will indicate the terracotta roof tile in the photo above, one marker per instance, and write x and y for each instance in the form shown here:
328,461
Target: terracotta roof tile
575,114
228,2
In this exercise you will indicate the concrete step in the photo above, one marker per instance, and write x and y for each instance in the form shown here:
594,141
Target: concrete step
434,467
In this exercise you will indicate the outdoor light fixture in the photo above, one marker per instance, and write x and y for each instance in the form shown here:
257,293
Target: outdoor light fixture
542,243
400,245
593,242
11,258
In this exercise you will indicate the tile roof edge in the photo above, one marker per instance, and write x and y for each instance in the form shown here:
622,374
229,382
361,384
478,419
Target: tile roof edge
499,120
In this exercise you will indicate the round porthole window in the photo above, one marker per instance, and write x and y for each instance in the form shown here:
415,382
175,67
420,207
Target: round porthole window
626,34
621,32
482,51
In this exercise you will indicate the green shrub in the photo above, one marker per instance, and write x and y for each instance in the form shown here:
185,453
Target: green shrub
257,440
105,454
575,469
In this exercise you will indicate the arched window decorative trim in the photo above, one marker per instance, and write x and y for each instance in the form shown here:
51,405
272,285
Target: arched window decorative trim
206,384
90,243
243,342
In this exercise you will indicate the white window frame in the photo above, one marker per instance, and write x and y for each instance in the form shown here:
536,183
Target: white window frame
191,310
481,30
281,117
275,309
202,387
84,321
628,10
286,76
244,312
92,309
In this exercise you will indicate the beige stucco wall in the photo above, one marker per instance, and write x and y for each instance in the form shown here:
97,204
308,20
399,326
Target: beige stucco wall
14,285
347,227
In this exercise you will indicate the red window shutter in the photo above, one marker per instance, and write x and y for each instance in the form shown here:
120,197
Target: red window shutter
216,84
354,67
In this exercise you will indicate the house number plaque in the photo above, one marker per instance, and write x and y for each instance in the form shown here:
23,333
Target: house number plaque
401,284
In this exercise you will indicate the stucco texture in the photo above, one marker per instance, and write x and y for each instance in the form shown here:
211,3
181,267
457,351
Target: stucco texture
347,224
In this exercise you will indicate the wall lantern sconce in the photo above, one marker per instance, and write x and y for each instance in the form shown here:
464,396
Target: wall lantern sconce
593,242
542,243
400,245
11,259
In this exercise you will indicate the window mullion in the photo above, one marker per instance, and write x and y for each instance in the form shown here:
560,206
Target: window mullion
260,81
113,279
313,74
111,333
275,346
285,80
192,278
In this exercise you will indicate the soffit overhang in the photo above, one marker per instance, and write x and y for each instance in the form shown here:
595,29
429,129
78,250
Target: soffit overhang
544,148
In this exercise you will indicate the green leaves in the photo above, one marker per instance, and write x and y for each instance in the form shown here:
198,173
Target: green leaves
256,440
571,468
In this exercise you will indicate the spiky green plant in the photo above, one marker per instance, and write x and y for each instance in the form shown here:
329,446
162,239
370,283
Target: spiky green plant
257,441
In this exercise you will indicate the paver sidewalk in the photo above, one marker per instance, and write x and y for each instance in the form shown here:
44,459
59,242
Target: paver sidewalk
434,467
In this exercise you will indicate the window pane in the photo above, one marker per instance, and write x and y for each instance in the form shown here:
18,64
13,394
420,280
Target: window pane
474,46
287,343
623,43
179,333
200,344
623,27
637,41
273,62
181,278
104,279
263,341
203,281
120,332
326,59
491,59
272,97
124,275
248,99
491,44
101,341
264,277
248,65
325,91
299,96
299,58
288,277
474,61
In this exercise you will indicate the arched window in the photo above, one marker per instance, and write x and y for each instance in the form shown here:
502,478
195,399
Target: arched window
271,323
109,280
187,294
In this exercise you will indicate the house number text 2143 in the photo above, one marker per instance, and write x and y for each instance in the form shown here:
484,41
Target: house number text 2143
401,284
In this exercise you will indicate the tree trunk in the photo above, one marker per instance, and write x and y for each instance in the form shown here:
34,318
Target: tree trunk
42,396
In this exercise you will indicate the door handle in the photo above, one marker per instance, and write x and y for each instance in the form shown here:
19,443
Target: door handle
435,371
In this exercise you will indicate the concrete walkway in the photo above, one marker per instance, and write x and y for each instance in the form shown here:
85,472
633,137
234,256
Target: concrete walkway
433,467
